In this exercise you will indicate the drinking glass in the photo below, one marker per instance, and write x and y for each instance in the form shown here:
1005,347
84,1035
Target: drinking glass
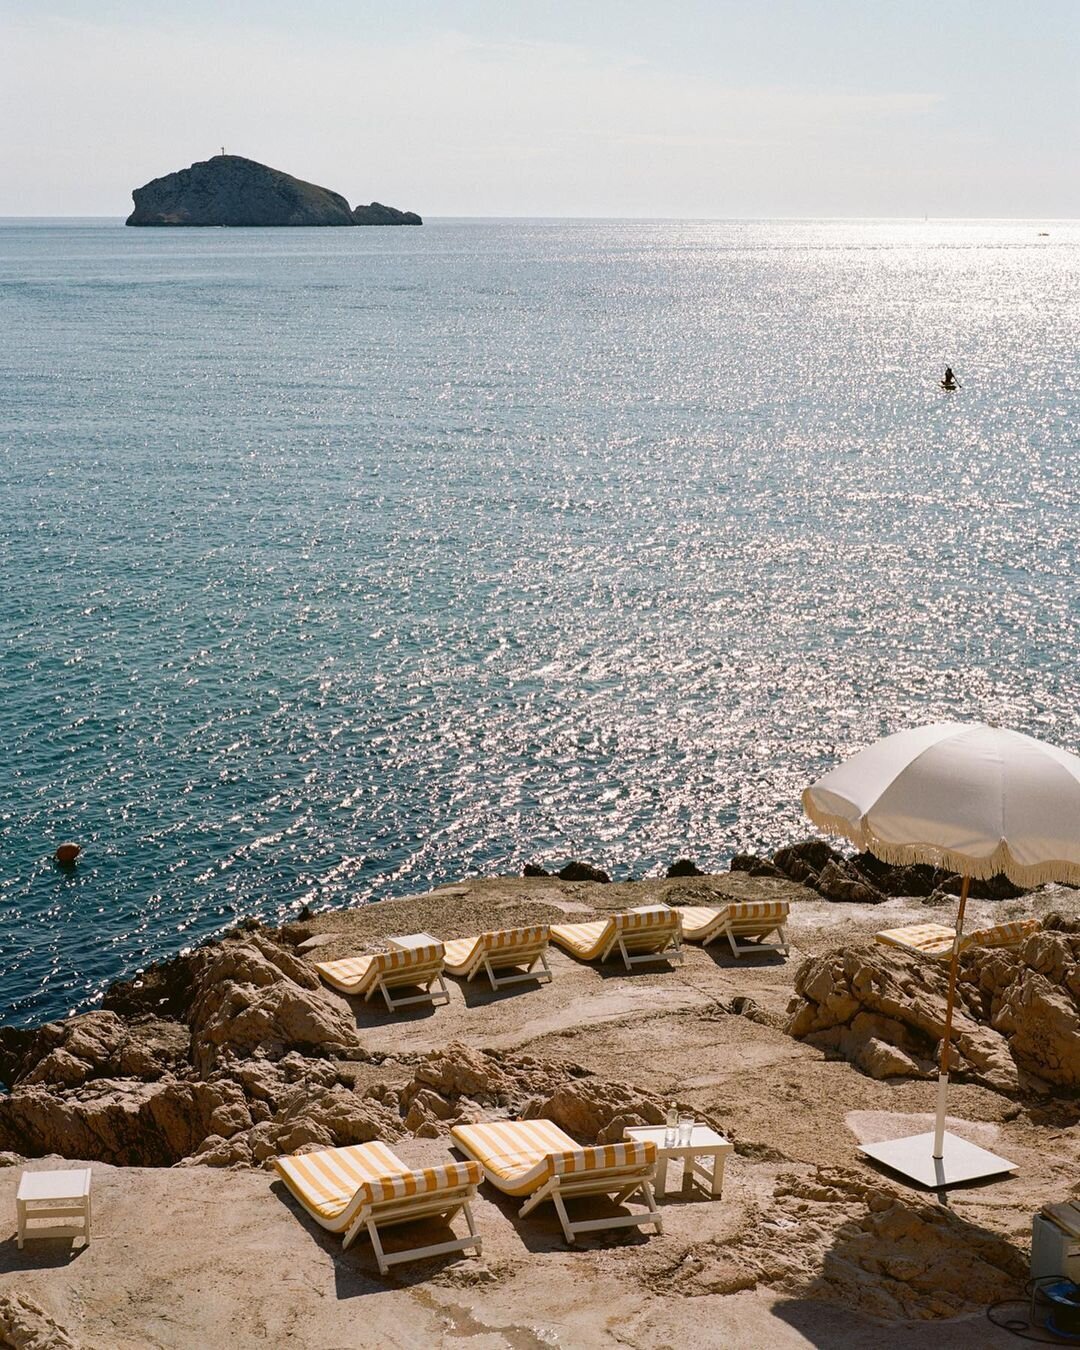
686,1129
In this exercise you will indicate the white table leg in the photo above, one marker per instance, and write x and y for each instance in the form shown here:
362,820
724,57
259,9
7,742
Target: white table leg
718,1173
661,1176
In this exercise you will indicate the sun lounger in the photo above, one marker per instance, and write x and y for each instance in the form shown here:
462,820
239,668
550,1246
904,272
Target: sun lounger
413,967
514,949
368,1186
936,939
755,919
535,1158
653,933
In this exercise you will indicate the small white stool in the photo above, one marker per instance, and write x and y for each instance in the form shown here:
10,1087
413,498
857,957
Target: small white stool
50,1196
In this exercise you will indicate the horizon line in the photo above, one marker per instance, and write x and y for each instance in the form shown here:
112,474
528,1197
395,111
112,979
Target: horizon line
587,216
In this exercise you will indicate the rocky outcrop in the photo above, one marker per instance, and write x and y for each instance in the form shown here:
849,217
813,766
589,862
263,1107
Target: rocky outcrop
25,1325
258,1066
377,214
92,1045
864,879
223,1077
462,1084
231,190
1017,1023
868,1246
256,997
581,871
684,867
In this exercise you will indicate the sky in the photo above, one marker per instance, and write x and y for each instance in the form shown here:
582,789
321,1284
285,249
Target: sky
655,108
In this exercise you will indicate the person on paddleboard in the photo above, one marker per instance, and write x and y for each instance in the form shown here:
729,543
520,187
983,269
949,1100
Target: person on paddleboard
950,381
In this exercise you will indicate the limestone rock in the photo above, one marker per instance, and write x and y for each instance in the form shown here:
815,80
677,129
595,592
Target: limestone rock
831,1234
25,1325
1017,1024
594,1111
256,996
163,989
231,190
316,940
97,1044
461,1071
121,1121
754,865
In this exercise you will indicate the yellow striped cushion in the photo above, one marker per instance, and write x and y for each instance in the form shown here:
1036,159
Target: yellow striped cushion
333,1184
583,939
699,921
461,953
325,1181
768,911
353,974
659,917
519,1156
929,939
1002,934
588,940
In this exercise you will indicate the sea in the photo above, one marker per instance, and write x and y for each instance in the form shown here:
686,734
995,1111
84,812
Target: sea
338,564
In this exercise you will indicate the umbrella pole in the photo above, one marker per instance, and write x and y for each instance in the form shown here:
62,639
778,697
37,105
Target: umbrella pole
943,1063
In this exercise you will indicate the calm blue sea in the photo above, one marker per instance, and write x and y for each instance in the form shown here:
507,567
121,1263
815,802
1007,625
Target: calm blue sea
335,564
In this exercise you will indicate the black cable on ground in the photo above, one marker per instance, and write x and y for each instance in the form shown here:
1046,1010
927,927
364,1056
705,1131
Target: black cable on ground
1022,1326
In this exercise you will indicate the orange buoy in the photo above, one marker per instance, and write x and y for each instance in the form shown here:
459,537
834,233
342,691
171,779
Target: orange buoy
66,854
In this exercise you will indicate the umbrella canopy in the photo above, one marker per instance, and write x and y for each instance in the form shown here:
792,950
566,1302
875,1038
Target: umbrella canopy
974,799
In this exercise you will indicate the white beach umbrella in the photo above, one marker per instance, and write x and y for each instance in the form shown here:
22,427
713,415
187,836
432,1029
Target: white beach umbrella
976,800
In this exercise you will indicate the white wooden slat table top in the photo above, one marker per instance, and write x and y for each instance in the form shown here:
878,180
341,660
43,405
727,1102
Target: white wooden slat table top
70,1184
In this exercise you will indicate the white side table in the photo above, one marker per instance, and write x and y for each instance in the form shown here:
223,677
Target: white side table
47,1196
410,941
704,1156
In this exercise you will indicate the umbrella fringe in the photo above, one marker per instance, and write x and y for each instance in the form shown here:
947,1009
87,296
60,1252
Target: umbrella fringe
1065,872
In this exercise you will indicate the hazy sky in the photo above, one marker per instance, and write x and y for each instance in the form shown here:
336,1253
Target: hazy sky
556,107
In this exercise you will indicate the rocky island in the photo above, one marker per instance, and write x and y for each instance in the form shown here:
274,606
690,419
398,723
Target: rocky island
230,190
198,1071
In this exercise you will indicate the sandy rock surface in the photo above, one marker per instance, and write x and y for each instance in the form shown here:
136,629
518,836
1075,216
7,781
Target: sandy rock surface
237,1053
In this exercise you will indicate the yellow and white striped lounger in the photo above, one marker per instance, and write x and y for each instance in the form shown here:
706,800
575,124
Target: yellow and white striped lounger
415,967
504,949
368,1186
936,939
535,1158
652,933
741,919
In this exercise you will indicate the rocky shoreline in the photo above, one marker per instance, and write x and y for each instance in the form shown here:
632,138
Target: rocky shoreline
233,1053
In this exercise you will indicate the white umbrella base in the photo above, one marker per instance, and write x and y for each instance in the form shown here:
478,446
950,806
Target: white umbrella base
960,1162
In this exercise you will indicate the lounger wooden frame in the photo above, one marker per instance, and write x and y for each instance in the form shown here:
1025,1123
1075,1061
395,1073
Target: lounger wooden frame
507,949
545,1164
741,919
388,1213
366,1187
634,1180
